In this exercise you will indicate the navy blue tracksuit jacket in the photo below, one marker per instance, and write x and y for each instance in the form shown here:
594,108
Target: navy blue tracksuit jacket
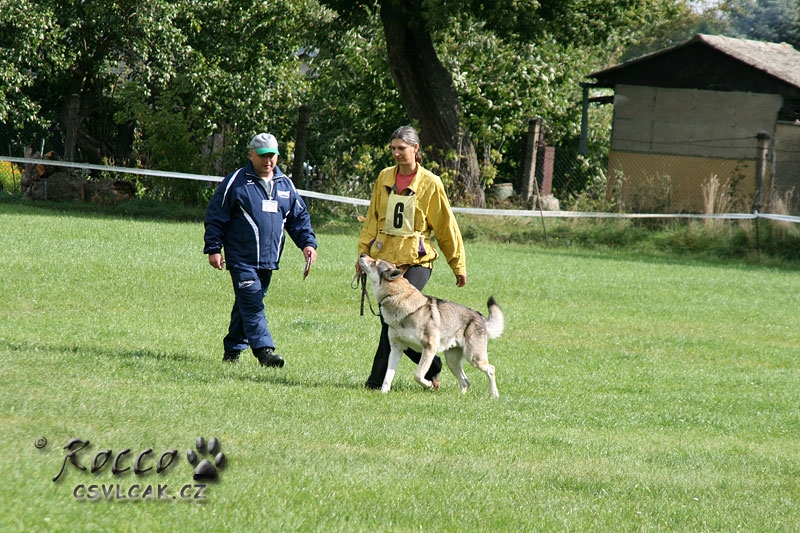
250,235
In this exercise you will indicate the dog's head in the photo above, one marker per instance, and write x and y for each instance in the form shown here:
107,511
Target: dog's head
378,270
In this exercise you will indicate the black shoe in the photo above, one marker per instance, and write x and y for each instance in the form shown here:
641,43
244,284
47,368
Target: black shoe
371,386
231,356
268,357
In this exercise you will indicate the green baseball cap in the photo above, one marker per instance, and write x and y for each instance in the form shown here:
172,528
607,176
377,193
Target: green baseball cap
264,143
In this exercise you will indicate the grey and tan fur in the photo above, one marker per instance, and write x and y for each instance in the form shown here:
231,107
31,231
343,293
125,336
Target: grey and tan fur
431,325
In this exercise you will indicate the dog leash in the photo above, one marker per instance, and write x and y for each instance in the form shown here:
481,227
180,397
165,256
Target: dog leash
362,280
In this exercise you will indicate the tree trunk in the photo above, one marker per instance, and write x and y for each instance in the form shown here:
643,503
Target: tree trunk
429,97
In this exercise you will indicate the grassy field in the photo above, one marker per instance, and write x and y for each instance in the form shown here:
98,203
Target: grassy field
638,392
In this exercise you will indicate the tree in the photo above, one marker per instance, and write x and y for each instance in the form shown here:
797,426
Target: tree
681,23
428,94
355,105
237,74
431,60
25,37
425,88
764,20
85,49
187,68
158,77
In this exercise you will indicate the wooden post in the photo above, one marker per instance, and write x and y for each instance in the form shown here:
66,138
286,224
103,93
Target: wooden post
761,170
529,185
71,135
300,146
583,144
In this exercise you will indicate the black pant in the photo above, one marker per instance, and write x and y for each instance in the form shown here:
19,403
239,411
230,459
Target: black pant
418,276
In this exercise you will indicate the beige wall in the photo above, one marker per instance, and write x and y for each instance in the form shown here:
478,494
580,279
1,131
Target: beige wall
787,159
691,122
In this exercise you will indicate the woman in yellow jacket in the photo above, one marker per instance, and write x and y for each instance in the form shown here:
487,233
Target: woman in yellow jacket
407,204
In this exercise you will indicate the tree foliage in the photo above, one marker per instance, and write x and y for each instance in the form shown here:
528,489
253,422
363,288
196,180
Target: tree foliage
764,20
354,104
66,48
182,85
27,39
514,60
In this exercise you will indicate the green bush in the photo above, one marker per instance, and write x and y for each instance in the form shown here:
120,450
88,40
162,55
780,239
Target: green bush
10,175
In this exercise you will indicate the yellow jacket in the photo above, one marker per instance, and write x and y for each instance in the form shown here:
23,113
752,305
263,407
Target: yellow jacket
431,213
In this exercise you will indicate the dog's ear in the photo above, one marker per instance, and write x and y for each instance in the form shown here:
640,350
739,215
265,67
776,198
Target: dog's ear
392,274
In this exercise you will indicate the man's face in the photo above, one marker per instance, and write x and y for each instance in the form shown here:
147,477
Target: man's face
264,165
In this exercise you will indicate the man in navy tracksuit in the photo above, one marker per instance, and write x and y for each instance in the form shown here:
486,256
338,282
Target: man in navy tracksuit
246,218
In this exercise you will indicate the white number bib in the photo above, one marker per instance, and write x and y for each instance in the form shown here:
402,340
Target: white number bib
400,215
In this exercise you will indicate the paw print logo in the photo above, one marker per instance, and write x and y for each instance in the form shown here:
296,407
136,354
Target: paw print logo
206,470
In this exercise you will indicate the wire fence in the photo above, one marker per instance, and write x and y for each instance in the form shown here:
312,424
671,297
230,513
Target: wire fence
538,212
661,182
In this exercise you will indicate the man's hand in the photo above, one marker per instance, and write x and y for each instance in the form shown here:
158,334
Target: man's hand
216,261
309,252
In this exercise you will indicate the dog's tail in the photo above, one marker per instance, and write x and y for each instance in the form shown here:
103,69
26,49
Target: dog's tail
495,322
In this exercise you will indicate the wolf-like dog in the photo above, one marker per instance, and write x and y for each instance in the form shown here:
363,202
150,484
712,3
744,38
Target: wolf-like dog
431,325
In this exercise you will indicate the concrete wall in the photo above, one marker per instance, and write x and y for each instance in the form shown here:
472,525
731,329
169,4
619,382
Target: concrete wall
691,122
787,159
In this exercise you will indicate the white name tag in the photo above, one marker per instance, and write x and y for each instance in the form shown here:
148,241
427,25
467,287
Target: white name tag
269,206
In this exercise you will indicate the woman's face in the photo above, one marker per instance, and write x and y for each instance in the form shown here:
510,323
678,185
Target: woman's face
404,153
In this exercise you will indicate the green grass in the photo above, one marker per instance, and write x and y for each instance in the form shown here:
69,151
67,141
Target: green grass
640,391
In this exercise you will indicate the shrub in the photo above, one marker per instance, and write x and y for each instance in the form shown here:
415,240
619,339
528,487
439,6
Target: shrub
10,175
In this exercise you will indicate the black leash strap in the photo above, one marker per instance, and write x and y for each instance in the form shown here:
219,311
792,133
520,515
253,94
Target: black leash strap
362,280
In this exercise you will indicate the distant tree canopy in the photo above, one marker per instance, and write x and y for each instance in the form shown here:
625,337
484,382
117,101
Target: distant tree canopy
764,20
182,84
205,65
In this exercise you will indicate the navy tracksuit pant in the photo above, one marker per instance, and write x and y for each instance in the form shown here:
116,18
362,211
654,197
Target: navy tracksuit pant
248,326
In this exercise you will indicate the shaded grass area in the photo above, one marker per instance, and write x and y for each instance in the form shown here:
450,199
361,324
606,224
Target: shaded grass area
639,391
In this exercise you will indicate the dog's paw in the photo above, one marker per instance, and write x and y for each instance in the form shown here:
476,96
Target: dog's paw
206,470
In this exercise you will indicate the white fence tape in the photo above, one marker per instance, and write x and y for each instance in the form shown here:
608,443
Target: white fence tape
359,201
333,197
124,170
